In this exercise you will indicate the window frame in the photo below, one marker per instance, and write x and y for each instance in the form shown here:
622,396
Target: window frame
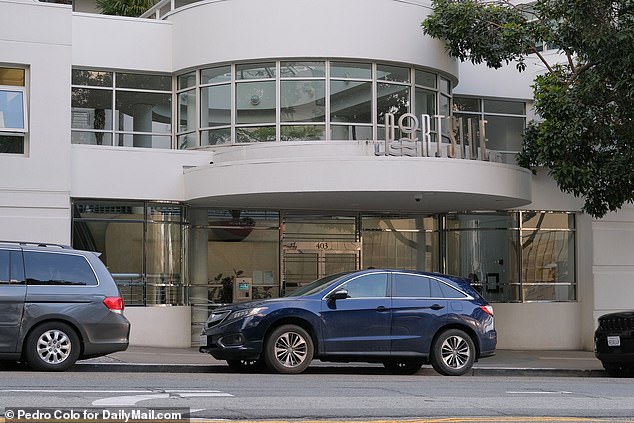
23,91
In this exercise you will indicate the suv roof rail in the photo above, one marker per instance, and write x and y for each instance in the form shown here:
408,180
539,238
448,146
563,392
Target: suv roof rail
37,244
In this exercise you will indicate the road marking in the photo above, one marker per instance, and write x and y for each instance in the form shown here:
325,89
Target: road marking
76,391
128,400
539,392
134,399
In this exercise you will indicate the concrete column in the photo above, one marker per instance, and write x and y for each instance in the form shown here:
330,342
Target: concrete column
198,257
142,114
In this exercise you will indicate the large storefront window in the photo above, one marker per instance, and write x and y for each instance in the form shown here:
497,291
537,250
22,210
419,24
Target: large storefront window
121,109
13,110
484,248
548,256
401,242
214,257
141,243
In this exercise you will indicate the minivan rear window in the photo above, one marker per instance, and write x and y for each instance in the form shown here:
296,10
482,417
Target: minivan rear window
58,269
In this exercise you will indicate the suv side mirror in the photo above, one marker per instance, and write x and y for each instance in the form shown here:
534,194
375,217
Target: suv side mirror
340,294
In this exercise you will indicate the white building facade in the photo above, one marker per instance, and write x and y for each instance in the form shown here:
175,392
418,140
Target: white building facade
220,151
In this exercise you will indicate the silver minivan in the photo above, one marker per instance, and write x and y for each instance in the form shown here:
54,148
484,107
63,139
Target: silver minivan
57,305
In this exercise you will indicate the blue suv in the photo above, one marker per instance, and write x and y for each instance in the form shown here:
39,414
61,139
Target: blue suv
400,318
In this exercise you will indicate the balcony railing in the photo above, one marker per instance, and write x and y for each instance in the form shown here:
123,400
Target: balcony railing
164,7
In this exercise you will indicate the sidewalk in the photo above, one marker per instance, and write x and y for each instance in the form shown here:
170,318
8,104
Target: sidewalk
504,363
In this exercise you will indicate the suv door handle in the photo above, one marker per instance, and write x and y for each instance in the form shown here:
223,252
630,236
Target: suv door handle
436,307
382,308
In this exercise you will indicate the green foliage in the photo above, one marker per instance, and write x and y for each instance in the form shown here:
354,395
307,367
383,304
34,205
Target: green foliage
124,7
585,135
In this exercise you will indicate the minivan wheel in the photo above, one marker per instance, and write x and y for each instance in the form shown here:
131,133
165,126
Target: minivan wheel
403,366
289,349
453,353
53,346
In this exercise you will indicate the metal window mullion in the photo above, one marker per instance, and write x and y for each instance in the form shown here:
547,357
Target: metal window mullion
375,102
174,131
114,110
327,100
233,104
278,102
520,258
197,106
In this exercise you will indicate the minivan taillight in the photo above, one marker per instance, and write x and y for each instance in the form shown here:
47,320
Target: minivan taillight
114,304
487,309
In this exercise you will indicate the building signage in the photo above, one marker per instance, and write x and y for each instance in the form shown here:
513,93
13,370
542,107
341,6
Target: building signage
463,140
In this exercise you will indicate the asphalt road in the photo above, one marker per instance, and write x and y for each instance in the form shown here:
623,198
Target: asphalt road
342,394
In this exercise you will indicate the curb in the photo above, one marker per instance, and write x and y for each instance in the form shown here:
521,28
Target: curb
321,369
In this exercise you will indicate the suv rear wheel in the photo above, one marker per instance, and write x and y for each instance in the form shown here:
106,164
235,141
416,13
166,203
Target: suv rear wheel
52,346
453,353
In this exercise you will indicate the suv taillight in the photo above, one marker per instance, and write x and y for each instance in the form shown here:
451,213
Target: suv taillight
114,304
487,309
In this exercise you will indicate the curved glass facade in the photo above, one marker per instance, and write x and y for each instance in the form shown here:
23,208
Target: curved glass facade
301,101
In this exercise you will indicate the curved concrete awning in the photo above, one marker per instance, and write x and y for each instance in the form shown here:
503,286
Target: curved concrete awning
363,183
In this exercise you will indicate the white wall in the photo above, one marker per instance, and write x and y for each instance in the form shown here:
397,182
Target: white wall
538,326
160,326
613,261
131,173
226,31
116,42
34,188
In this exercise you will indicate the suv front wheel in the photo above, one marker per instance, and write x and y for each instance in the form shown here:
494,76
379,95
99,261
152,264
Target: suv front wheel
52,346
288,349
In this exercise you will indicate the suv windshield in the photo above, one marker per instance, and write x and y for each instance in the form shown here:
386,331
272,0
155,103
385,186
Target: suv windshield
315,286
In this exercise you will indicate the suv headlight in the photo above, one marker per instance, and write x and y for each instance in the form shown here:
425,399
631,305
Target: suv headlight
241,314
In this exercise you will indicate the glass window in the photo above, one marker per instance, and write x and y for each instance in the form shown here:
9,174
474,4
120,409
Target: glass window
350,70
256,71
351,101
449,291
466,104
255,102
425,102
144,81
504,133
302,69
255,134
504,106
216,136
548,256
372,285
483,248
142,116
392,73
407,285
5,274
187,111
186,81
13,118
141,243
58,269
215,75
392,98
144,112
400,242
303,101
303,132
215,105
426,79
11,109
